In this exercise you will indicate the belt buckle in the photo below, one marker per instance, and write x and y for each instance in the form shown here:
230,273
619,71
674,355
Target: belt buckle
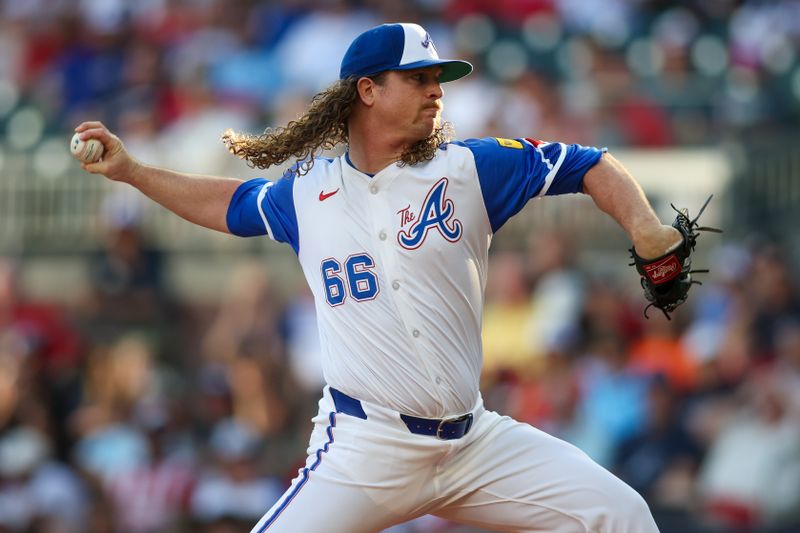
452,421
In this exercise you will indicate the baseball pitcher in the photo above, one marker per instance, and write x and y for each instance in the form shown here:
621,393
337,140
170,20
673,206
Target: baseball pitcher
393,239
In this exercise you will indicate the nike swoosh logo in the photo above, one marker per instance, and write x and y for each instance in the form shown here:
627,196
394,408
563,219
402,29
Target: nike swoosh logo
324,196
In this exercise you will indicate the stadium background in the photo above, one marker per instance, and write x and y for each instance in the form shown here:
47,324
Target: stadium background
159,377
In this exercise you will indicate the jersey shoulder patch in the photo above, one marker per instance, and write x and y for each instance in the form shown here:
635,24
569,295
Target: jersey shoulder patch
509,143
536,142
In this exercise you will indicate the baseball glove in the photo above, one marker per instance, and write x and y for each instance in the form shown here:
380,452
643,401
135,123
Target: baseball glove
666,280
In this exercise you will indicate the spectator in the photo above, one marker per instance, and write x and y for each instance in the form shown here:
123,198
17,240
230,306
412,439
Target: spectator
39,329
506,316
126,276
661,461
232,490
244,338
330,28
109,442
773,296
660,351
751,475
42,353
247,316
612,405
557,297
154,495
787,349
36,491
302,342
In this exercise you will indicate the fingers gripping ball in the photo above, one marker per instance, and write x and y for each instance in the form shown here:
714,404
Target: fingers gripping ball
666,280
89,151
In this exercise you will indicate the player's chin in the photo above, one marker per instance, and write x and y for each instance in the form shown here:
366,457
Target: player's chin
428,125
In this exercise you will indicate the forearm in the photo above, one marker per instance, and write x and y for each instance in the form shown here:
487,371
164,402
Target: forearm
202,200
617,193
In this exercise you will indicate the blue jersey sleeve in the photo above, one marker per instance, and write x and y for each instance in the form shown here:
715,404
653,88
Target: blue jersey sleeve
261,207
512,171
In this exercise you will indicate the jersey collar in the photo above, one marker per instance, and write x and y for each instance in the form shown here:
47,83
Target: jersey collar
349,162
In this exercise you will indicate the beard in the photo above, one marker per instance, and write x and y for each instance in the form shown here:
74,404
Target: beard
425,149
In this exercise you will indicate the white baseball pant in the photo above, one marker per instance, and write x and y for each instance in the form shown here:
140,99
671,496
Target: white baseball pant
363,476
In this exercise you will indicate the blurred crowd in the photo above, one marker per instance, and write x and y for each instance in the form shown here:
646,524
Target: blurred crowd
700,413
133,410
171,75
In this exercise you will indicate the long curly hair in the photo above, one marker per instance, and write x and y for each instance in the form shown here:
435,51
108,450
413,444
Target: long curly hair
322,127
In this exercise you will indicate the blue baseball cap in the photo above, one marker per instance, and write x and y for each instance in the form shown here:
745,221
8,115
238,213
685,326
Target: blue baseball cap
397,47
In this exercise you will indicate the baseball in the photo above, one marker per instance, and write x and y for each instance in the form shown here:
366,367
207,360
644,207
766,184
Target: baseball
87,151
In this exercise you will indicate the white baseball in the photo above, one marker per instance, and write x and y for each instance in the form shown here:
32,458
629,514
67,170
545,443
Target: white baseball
87,151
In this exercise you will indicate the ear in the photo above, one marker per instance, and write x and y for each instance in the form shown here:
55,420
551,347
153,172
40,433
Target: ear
366,88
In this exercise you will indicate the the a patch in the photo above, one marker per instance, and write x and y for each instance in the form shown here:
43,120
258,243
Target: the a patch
436,213
509,143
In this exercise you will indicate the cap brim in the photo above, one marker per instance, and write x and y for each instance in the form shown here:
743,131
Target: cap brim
452,69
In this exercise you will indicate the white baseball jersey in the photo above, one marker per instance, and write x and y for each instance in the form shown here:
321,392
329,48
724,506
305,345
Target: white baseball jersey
397,261
397,264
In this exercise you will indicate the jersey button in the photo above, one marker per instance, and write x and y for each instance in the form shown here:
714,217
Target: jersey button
373,189
382,235
415,333
438,381
395,286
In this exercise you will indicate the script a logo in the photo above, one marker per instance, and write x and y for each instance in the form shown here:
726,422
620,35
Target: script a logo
436,213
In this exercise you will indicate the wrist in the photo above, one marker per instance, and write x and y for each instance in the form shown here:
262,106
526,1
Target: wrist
134,173
650,243
646,232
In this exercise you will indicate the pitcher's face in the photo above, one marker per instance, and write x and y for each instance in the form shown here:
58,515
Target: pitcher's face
410,101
